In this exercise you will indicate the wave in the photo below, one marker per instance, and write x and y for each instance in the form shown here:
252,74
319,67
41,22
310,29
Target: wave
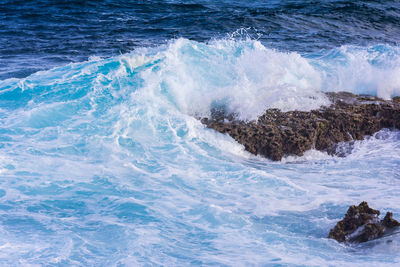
370,70
243,77
105,155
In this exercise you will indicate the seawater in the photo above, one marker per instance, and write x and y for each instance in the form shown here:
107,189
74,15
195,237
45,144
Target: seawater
102,159
104,163
42,34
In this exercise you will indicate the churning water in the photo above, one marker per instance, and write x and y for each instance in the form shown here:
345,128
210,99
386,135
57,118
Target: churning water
103,163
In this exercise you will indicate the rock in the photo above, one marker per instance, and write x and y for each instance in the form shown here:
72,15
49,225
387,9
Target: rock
389,222
277,134
361,224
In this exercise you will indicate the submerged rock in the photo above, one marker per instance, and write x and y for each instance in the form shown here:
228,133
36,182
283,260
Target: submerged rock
361,223
277,134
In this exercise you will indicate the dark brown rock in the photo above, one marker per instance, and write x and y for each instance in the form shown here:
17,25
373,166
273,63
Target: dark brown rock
277,134
362,224
389,222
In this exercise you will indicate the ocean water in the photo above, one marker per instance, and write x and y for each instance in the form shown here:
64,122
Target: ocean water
102,159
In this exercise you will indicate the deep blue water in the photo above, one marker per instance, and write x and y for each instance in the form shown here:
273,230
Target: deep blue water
102,162
37,35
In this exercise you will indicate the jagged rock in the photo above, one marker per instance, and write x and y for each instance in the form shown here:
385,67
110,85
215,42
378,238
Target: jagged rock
277,134
361,224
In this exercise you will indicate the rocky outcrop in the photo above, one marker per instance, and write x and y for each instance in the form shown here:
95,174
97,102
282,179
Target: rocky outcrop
361,224
277,134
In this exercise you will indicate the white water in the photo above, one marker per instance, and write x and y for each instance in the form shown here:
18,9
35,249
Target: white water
103,163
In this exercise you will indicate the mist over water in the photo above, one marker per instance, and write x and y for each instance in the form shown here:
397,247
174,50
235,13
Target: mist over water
103,163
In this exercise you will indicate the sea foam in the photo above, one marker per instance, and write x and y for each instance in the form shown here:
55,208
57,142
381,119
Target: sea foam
243,77
103,163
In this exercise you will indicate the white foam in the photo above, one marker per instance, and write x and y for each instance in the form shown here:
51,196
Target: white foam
370,146
309,155
196,198
371,70
244,77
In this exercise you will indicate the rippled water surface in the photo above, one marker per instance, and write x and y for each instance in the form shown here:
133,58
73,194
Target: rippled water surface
102,162
37,35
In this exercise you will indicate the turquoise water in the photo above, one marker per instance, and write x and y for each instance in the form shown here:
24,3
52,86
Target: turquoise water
102,163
